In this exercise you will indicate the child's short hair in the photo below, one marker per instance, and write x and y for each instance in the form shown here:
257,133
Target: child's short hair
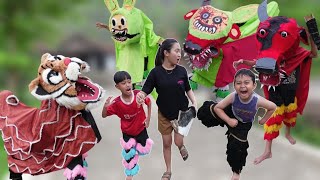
246,72
121,76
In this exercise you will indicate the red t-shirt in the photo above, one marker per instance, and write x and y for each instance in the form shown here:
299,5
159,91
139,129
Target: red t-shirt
132,116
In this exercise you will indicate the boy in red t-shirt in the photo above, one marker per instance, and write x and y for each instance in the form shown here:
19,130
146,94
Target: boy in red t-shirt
134,122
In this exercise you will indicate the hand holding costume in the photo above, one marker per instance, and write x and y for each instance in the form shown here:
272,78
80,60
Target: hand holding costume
217,38
59,133
313,29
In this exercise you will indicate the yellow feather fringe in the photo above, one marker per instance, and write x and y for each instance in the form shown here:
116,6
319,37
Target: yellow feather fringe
272,128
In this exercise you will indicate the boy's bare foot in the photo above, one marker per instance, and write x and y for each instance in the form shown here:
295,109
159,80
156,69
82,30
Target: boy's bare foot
129,178
261,158
291,139
235,176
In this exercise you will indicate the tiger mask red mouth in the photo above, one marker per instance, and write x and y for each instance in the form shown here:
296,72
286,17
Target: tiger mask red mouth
59,78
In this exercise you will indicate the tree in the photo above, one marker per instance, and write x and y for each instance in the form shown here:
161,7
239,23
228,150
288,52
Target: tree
22,24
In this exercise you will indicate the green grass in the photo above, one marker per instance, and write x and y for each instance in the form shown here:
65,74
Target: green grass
307,132
303,131
3,161
315,68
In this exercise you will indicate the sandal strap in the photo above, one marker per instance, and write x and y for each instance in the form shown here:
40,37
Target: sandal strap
166,175
184,152
183,148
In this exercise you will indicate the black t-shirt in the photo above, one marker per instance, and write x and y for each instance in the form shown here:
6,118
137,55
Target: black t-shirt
171,86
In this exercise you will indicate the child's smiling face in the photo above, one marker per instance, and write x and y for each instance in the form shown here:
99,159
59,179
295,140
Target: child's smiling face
244,86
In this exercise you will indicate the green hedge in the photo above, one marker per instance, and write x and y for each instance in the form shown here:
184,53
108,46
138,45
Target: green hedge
303,131
3,161
307,132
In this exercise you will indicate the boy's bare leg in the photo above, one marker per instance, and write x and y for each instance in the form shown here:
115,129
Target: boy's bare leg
288,135
266,154
235,176
129,177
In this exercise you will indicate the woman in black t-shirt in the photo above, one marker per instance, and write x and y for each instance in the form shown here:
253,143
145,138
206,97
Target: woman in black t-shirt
173,88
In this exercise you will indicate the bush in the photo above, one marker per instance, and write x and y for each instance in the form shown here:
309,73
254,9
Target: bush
3,161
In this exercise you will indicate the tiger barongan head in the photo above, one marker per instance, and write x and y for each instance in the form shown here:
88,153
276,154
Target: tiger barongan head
59,78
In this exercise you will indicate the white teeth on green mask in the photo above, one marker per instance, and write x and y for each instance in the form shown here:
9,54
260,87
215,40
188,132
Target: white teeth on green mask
204,28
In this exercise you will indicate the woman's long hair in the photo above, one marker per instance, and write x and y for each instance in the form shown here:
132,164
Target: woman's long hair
166,45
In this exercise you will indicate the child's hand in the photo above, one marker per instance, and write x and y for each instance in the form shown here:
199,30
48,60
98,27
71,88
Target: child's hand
140,98
232,122
237,63
261,120
195,106
101,25
108,102
146,122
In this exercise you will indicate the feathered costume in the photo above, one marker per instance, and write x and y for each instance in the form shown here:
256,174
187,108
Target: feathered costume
284,68
59,133
217,38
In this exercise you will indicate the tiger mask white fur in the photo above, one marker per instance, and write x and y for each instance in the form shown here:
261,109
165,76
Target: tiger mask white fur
59,78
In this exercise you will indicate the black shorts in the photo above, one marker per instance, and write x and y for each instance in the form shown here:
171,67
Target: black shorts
283,94
140,138
237,137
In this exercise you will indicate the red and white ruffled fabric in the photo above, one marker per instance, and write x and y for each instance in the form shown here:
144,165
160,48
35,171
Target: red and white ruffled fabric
42,140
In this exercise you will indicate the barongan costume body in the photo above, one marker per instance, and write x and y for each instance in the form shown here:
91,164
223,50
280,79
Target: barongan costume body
135,141
284,68
217,38
59,133
136,44
237,137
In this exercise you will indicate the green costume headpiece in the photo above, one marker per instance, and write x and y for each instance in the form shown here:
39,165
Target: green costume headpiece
135,42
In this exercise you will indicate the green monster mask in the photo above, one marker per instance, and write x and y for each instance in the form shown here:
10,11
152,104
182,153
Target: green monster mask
135,42
216,38
125,24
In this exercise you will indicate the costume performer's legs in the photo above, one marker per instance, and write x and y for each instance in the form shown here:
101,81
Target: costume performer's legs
77,169
290,119
221,93
133,147
286,111
237,137
15,176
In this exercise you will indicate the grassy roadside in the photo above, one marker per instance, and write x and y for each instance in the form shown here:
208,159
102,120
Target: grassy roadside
3,161
303,131
306,132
